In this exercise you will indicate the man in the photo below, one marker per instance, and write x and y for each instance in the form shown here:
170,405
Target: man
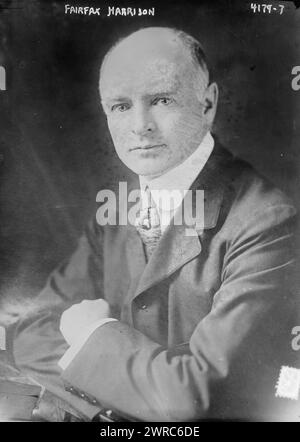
172,325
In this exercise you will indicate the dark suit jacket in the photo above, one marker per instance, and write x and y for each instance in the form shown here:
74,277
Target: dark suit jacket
204,325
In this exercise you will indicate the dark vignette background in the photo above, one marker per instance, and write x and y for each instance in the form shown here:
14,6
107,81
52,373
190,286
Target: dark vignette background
55,148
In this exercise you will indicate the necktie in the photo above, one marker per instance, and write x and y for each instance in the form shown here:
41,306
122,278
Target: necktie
148,225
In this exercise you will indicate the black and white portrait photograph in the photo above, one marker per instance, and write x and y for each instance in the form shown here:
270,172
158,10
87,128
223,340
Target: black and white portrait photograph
149,161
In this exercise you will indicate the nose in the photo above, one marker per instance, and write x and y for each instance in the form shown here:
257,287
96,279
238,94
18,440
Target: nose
143,123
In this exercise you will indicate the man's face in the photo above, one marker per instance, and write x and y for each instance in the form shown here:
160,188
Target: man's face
154,113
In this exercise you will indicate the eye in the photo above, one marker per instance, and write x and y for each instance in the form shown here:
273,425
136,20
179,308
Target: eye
122,107
165,101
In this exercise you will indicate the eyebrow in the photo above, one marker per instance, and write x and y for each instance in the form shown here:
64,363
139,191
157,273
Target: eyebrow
152,95
115,99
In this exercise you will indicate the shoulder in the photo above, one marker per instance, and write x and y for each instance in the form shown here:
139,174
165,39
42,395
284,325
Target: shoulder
254,199
254,192
249,199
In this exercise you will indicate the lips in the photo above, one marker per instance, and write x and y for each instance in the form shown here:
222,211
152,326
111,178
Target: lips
147,147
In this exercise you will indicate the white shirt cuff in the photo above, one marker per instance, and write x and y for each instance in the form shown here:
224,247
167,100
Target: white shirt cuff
76,347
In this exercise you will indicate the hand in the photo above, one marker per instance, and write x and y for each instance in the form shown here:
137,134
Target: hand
76,318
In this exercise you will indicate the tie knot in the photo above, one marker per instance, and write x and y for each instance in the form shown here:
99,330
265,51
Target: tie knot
148,198
148,217
148,223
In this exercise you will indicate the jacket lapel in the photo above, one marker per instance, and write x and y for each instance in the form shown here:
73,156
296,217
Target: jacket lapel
181,243
178,245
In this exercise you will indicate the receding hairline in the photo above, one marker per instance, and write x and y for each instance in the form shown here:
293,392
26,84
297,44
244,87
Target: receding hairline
190,43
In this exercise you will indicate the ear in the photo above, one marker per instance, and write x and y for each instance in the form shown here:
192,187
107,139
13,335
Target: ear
210,101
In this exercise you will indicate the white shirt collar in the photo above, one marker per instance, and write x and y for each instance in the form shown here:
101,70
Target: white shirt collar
180,177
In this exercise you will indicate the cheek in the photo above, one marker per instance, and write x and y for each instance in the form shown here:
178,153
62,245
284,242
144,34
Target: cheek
183,133
118,131
167,122
176,126
189,124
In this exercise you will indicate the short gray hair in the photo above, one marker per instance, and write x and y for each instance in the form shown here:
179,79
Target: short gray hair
195,49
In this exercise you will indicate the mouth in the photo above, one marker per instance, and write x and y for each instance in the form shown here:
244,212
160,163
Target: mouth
147,147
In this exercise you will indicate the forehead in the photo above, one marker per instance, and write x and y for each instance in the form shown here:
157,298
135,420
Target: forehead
148,78
144,67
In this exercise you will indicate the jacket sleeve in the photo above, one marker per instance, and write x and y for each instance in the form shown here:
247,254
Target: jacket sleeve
135,375
38,343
